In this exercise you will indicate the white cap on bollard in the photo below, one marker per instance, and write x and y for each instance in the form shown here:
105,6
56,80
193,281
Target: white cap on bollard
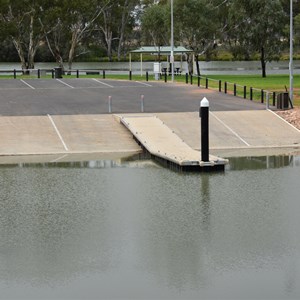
204,102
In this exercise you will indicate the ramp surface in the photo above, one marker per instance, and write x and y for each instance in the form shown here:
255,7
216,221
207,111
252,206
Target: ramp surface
237,133
44,135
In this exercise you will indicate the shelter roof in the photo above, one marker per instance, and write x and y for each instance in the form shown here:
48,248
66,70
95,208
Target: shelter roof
161,50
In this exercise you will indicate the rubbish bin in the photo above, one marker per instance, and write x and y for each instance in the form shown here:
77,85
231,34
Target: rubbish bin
58,72
157,70
283,101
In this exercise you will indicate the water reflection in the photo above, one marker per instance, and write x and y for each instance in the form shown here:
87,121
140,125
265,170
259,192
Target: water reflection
112,231
262,162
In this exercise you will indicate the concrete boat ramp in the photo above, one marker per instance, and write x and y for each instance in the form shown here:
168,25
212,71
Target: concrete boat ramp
60,138
166,146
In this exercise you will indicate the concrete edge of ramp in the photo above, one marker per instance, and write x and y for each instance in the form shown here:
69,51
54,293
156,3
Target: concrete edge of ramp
65,157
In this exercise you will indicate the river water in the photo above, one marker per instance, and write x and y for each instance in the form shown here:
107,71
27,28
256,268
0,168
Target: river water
207,68
134,230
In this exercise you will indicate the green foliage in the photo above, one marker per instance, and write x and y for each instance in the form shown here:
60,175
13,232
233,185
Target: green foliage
155,25
297,30
256,26
70,29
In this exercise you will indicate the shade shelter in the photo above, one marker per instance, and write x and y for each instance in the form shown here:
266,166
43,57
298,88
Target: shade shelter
155,50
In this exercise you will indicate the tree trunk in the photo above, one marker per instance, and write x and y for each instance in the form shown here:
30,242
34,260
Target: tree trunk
197,64
190,63
72,49
263,62
31,46
107,31
21,55
27,62
159,54
109,46
122,29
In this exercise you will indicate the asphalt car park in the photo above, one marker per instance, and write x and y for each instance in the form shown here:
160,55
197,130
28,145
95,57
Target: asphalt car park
92,96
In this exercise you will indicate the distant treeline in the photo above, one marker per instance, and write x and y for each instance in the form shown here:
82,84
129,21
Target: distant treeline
94,30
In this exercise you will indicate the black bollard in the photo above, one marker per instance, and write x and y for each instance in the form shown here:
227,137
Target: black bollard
186,78
274,98
130,75
147,76
204,115
103,74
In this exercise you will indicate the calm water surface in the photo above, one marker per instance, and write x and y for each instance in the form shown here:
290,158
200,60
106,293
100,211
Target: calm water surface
102,230
207,68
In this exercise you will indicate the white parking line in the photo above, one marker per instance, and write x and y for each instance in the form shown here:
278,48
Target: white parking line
239,137
58,133
143,83
103,83
70,86
27,84
284,120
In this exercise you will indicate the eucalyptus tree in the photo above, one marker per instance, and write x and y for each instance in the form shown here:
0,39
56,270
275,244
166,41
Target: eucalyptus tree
198,26
125,21
68,25
258,27
155,25
114,25
19,22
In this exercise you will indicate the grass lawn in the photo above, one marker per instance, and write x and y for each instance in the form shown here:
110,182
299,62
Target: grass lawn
272,83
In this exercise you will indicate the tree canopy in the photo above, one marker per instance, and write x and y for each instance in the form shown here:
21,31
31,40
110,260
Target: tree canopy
68,29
